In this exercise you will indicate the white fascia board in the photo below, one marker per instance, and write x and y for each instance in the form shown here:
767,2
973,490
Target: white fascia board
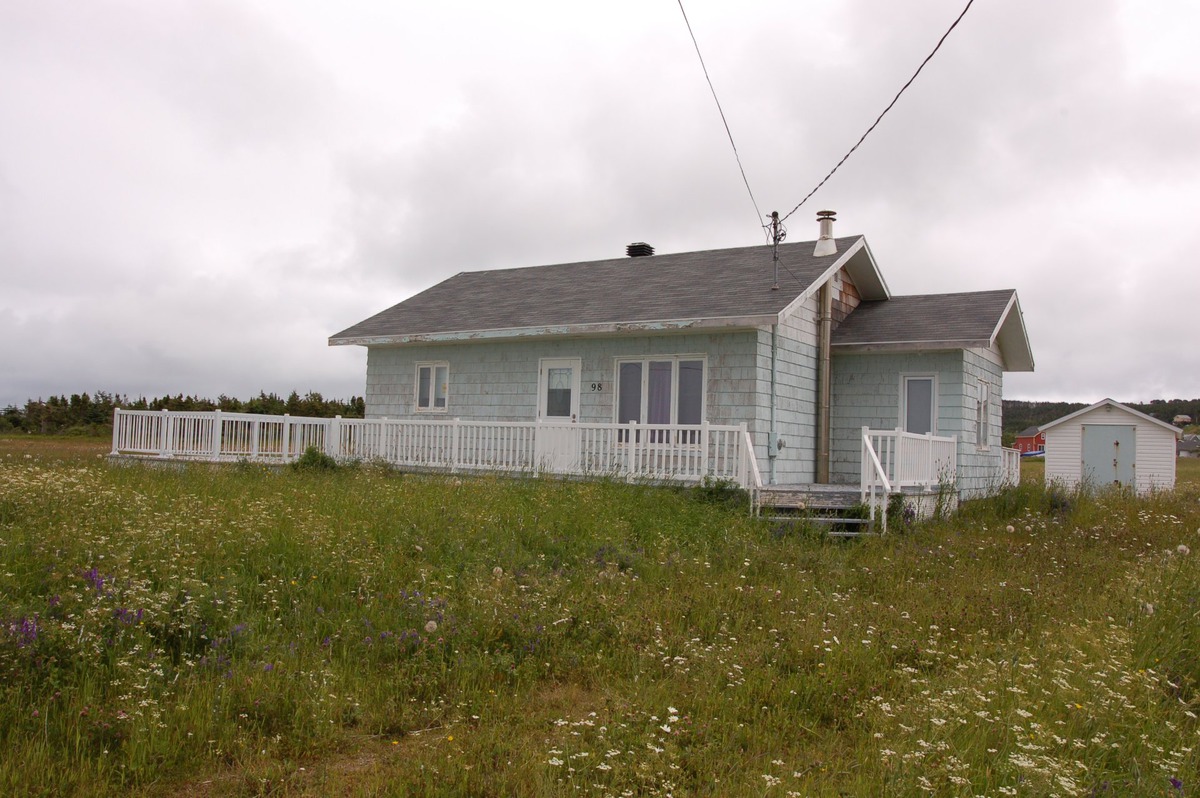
1022,358
562,331
878,275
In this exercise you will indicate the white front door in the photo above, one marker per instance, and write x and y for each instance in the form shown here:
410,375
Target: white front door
557,444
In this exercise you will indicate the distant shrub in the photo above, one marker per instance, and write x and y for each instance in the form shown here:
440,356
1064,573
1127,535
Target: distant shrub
722,492
900,513
1058,500
314,459
1035,498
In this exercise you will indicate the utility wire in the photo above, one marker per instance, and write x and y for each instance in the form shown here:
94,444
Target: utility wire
758,214
885,110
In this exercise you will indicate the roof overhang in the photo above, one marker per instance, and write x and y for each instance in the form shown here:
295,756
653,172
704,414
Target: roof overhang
563,331
1110,403
913,346
1009,336
1013,339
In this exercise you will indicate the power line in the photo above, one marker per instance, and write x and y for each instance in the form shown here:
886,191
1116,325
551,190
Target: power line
885,110
758,214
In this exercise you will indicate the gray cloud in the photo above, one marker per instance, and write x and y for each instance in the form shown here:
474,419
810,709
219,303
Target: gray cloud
192,197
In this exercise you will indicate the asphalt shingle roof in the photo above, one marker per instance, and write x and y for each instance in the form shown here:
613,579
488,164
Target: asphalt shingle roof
971,316
711,284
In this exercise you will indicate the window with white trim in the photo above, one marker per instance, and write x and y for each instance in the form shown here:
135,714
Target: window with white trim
918,403
983,409
661,390
433,380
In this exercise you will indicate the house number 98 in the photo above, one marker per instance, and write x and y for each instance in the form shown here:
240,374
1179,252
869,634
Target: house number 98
597,386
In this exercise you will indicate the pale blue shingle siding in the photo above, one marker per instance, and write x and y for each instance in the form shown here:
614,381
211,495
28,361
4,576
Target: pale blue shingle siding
866,392
980,469
796,392
499,381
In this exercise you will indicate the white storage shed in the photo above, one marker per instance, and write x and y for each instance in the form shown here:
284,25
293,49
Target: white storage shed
1109,443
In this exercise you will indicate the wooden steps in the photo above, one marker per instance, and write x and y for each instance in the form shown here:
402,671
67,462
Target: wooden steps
836,509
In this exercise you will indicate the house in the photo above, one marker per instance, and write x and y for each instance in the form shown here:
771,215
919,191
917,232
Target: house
1188,446
1110,444
1030,439
808,353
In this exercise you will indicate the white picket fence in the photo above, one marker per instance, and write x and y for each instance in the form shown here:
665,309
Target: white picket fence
658,452
1010,466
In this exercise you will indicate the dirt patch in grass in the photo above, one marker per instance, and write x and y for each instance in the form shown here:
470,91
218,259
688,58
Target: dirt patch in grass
54,447
364,766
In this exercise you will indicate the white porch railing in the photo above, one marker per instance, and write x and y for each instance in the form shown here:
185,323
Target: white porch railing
908,460
1010,466
661,452
874,477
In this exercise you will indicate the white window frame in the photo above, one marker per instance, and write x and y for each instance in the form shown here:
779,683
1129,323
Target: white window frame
983,411
645,360
933,400
433,366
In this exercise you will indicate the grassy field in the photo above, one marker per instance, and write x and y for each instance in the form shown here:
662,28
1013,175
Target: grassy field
241,631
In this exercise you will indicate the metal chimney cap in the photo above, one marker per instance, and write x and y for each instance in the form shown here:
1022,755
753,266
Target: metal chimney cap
639,249
825,244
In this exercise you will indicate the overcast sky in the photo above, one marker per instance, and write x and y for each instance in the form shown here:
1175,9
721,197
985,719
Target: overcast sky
195,195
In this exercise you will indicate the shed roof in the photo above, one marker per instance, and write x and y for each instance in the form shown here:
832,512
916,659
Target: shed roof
1028,432
940,321
712,288
1113,404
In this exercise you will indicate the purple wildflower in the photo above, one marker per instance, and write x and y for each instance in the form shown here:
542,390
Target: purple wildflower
96,579
24,631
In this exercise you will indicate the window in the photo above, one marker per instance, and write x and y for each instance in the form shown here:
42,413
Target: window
661,390
983,409
432,382
917,398
558,388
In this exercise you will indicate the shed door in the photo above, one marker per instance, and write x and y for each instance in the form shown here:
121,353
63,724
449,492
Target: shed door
1108,454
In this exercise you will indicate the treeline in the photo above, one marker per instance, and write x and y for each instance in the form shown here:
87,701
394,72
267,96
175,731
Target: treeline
83,413
1018,415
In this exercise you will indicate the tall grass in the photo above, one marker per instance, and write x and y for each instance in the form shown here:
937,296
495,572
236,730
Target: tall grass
242,631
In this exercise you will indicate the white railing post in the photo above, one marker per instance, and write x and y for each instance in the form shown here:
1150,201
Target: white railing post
116,428
704,450
216,435
630,445
929,466
862,464
255,431
455,432
164,444
333,437
285,439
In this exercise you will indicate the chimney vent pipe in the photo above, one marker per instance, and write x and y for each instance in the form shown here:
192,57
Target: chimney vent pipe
639,249
825,243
